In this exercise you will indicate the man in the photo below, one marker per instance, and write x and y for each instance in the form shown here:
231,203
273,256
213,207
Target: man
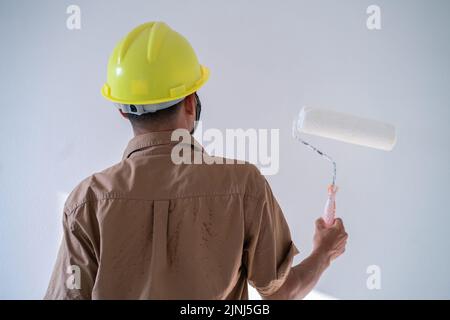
148,228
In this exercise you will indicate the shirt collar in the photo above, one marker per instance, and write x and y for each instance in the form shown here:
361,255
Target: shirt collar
151,139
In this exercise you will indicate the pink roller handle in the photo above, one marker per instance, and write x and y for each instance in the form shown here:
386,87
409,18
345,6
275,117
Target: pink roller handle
329,212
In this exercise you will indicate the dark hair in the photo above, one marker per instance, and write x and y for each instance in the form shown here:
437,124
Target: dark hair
154,117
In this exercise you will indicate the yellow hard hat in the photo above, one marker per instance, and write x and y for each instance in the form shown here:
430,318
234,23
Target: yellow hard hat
153,64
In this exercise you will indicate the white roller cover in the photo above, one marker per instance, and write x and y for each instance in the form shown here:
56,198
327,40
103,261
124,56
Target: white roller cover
346,128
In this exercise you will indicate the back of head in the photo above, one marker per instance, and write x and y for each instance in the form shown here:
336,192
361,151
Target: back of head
150,73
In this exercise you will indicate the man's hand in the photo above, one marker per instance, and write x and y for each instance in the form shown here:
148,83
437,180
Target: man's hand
329,243
330,240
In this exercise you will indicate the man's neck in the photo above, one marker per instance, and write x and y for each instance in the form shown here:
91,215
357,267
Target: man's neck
139,131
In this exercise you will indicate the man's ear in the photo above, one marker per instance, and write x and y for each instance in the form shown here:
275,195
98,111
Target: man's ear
125,115
189,104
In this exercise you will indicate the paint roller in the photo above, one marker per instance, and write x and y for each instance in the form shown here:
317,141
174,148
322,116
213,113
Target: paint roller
342,127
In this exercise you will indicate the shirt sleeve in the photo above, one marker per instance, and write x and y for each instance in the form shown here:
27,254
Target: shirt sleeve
76,265
268,249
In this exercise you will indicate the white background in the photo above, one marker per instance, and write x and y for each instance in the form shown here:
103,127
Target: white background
267,59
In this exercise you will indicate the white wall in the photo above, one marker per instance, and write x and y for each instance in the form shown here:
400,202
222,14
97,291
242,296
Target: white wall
267,59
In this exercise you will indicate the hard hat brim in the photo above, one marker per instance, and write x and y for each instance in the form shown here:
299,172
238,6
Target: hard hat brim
106,91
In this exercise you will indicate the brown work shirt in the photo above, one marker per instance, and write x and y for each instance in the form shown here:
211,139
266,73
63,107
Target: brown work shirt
147,228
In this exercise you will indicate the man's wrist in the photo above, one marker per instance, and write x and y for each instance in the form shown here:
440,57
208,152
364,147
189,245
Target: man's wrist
322,256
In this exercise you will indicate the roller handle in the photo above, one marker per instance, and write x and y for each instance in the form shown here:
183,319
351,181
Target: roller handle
329,212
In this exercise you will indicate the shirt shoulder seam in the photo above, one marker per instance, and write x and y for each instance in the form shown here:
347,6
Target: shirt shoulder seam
70,209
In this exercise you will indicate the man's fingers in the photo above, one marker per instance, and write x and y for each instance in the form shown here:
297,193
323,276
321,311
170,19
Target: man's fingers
338,223
342,242
320,223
